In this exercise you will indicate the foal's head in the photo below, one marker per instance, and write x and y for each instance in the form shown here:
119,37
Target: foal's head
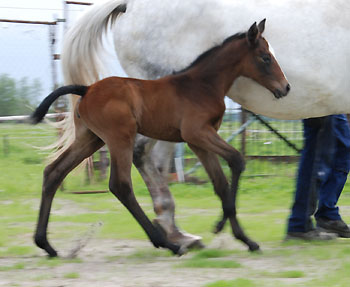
260,64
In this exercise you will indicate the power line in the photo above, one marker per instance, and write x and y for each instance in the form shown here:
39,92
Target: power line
43,9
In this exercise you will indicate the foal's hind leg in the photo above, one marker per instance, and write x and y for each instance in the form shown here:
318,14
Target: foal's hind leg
205,143
163,202
85,145
121,186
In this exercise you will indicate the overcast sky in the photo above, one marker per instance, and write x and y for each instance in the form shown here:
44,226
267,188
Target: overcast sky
40,10
24,48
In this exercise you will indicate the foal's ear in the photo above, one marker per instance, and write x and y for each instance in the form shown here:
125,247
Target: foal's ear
261,26
253,34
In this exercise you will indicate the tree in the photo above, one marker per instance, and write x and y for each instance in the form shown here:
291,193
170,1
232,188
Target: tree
8,101
18,98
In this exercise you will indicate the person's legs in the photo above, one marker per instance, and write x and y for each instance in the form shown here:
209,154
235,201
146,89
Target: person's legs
299,220
329,195
325,158
331,186
327,215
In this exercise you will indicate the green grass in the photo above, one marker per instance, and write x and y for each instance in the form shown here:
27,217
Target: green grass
17,266
339,278
263,206
290,274
144,255
71,275
240,282
42,277
212,253
286,274
17,251
209,263
54,262
150,254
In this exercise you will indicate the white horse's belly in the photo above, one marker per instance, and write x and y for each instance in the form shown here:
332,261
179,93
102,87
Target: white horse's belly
304,101
310,38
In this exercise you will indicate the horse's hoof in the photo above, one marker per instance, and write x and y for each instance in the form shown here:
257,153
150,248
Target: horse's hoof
254,247
217,230
186,240
175,249
51,252
219,226
183,250
196,244
180,238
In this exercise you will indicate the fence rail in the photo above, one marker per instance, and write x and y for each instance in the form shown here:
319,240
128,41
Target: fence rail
270,147
25,118
265,152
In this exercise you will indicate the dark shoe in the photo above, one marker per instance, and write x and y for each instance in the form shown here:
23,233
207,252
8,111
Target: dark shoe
314,234
338,227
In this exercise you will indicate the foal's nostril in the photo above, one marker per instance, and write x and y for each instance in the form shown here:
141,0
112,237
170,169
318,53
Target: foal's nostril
288,88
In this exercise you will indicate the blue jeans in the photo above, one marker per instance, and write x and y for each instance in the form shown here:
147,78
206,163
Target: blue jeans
323,169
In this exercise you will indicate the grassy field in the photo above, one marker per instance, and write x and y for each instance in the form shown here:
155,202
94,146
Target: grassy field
263,207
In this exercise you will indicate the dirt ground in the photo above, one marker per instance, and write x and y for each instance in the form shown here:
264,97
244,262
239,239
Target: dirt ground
111,263
136,263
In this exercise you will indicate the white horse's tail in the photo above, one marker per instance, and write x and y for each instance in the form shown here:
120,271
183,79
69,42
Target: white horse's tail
81,59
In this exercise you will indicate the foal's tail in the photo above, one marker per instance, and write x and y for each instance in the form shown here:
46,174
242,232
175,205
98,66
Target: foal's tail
44,106
82,59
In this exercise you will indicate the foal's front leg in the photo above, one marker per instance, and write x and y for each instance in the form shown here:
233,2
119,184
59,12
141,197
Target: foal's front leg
206,143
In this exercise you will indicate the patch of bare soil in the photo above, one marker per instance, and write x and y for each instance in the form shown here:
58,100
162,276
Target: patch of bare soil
119,263
111,263
108,263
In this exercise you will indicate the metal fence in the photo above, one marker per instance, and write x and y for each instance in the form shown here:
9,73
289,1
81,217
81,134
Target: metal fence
264,150
271,147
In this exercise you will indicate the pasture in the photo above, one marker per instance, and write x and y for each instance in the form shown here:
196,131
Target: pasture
115,249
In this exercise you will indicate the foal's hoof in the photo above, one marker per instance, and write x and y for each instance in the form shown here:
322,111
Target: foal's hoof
51,253
220,225
176,249
254,247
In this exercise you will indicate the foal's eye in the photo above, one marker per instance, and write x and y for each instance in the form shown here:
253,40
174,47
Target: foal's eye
266,59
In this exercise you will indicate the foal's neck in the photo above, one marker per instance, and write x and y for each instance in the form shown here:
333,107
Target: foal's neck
221,68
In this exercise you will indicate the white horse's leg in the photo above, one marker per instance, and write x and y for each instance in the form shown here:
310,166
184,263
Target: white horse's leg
163,202
162,154
152,158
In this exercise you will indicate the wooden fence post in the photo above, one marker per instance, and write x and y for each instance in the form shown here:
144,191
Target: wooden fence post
104,163
6,145
244,133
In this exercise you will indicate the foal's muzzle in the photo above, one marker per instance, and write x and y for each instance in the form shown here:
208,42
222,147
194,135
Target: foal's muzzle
281,93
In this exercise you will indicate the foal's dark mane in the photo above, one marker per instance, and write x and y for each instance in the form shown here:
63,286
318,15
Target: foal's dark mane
212,51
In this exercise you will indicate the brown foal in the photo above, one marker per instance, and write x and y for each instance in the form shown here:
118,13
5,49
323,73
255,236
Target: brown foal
186,106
